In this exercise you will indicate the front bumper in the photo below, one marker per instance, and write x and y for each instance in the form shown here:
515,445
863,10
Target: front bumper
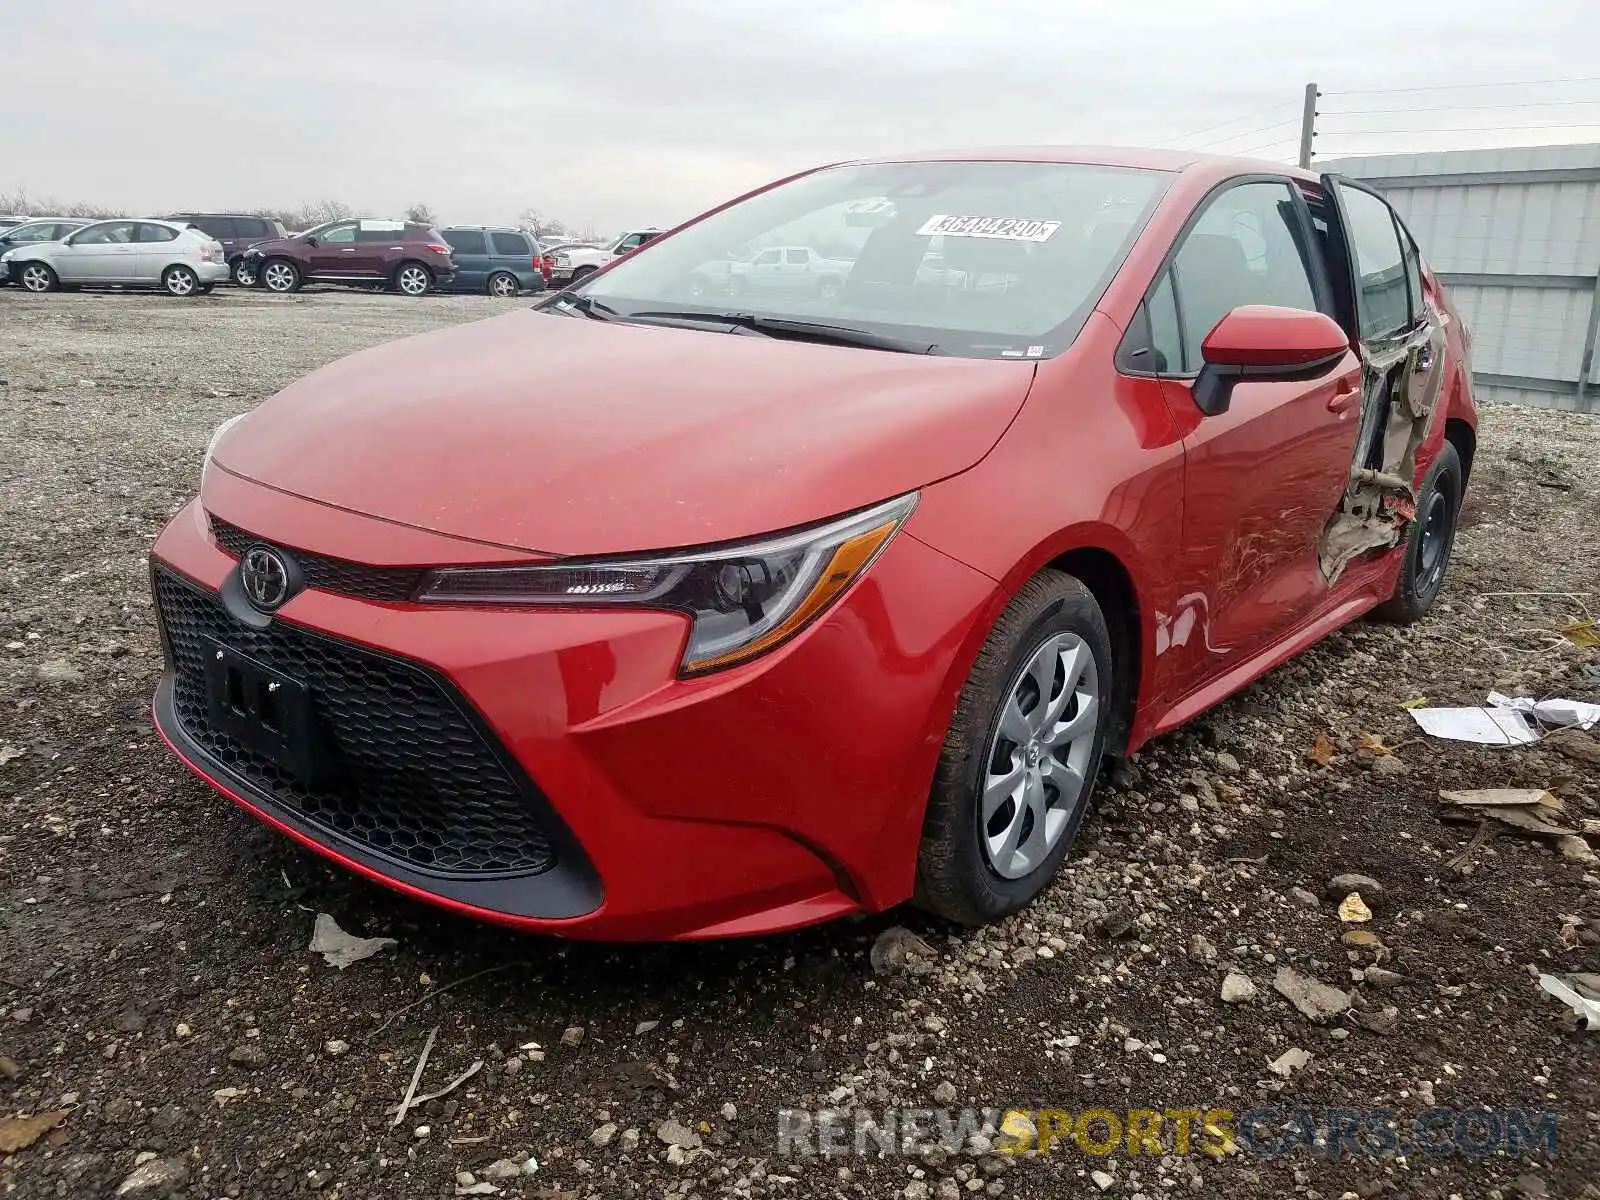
773,795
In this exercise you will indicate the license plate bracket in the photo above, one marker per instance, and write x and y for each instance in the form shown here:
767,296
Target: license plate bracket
264,710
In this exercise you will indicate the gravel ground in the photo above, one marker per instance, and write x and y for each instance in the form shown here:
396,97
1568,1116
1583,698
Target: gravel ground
157,993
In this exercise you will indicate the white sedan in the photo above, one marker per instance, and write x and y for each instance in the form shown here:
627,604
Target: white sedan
170,255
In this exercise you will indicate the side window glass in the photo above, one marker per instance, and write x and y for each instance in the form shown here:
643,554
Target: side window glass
466,241
767,258
800,257
1413,259
112,233
338,235
1166,338
156,233
1382,302
1242,250
510,244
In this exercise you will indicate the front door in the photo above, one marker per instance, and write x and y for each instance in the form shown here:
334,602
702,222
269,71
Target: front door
103,253
1263,478
334,255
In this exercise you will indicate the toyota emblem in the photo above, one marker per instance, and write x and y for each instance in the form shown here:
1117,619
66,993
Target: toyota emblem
265,576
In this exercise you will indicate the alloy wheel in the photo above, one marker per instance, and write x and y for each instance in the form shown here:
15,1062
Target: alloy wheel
413,281
36,278
180,281
503,285
279,277
1036,776
244,274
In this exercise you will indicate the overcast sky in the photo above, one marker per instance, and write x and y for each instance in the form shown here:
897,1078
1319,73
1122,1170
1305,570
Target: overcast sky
629,112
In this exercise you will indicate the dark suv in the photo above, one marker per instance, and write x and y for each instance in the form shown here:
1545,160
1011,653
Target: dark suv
403,256
236,231
502,262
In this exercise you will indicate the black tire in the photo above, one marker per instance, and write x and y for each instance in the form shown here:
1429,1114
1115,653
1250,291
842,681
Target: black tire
179,280
35,277
243,274
280,276
503,284
579,272
1429,541
955,878
411,278
204,289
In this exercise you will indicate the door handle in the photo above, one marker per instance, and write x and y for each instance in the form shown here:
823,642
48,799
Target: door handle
351,250
1346,395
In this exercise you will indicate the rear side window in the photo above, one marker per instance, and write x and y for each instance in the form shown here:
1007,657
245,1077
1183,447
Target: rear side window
155,233
511,244
250,227
796,256
221,228
1383,306
466,241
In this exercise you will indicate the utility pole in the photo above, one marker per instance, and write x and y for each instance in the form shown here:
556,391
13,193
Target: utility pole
1308,124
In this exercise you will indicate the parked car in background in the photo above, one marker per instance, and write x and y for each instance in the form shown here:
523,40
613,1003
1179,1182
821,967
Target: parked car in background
501,261
236,231
35,230
6,222
574,262
403,256
178,258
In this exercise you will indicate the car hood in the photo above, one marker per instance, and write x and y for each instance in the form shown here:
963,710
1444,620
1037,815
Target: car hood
568,436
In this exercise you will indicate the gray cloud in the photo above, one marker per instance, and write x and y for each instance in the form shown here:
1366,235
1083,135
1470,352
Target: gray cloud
645,111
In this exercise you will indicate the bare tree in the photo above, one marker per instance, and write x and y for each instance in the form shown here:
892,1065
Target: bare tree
421,214
21,204
541,226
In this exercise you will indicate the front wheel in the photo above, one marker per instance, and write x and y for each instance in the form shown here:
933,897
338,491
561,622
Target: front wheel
244,274
1428,542
579,272
503,284
179,280
281,276
412,279
37,277
1019,762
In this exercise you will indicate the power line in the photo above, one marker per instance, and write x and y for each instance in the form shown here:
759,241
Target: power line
1463,129
1267,146
1233,137
1223,125
1450,87
1372,112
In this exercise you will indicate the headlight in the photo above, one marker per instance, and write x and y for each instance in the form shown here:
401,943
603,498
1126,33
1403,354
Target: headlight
743,600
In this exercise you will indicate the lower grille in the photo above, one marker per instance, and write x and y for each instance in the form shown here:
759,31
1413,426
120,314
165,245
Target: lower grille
414,777
392,584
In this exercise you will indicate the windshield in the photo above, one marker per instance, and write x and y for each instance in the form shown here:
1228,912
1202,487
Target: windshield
978,259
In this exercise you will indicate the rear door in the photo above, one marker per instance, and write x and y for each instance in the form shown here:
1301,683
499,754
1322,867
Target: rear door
471,251
1400,339
514,252
1263,477
103,253
155,251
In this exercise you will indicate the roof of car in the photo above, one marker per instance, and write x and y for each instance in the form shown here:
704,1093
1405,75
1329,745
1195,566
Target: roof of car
1105,156
487,229
229,215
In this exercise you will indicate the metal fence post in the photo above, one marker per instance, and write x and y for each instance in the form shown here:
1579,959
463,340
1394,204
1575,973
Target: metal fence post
1586,367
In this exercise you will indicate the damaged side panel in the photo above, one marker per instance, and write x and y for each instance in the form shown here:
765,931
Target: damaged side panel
1401,380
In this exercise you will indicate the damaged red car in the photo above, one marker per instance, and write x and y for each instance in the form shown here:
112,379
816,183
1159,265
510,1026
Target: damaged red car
738,587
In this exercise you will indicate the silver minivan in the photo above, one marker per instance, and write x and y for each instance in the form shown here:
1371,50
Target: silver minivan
170,255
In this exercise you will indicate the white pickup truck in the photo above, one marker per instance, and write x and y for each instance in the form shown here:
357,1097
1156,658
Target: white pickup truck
574,262
780,270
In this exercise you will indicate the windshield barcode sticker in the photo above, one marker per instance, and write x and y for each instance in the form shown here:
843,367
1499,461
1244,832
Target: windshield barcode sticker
1011,229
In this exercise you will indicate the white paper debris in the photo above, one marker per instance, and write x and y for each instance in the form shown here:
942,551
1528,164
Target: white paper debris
1588,1010
340,949
1558,713
1486,726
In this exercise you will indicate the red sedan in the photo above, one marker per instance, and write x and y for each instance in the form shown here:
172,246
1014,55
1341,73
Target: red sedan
649,614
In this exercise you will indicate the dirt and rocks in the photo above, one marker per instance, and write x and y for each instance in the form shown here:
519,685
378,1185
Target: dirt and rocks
162,1018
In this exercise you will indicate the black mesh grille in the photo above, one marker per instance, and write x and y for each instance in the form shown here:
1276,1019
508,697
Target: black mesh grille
330,574
416,780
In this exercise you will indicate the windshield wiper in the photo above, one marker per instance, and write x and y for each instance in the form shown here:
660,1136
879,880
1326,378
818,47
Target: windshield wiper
571,303
785,327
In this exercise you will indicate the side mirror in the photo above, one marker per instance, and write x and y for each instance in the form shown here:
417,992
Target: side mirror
1262,342
312,242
